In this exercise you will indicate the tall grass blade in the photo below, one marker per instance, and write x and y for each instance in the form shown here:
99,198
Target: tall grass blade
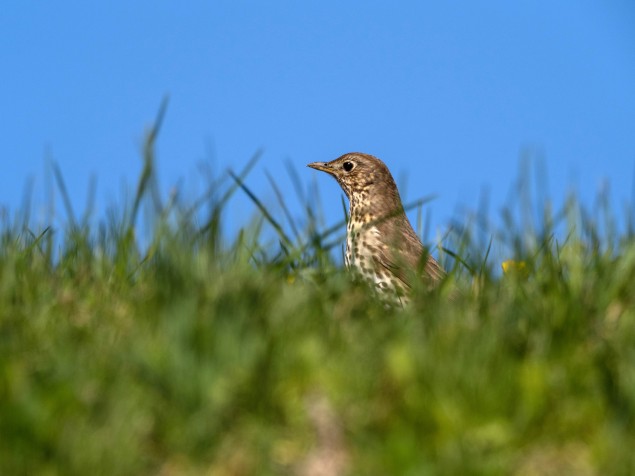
148,176
61,185
272,221
283,205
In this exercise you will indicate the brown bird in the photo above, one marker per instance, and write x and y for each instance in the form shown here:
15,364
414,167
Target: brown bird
380,242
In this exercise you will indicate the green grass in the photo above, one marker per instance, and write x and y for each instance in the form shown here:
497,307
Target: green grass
200,354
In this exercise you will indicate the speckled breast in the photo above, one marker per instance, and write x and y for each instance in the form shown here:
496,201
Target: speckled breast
363,255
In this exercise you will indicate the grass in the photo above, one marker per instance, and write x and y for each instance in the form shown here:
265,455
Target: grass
200,354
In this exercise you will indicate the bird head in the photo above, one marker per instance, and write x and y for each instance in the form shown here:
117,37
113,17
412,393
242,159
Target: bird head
357,173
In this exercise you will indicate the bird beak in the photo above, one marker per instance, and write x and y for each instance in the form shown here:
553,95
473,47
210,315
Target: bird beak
323,166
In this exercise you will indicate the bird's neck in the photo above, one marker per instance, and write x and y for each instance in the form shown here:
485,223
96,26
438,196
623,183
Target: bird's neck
371,206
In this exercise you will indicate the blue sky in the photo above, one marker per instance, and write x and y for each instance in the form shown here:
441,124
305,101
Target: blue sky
449,94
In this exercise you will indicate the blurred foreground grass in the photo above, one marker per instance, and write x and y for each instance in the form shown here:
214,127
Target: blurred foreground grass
194,355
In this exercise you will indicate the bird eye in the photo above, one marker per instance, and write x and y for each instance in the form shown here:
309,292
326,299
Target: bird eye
348,166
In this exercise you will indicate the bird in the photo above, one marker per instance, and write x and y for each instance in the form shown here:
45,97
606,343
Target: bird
381,245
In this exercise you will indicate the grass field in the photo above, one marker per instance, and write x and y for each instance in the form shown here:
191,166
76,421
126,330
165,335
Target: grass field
198,354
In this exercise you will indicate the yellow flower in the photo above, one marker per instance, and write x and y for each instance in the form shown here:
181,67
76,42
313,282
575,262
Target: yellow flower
519,267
